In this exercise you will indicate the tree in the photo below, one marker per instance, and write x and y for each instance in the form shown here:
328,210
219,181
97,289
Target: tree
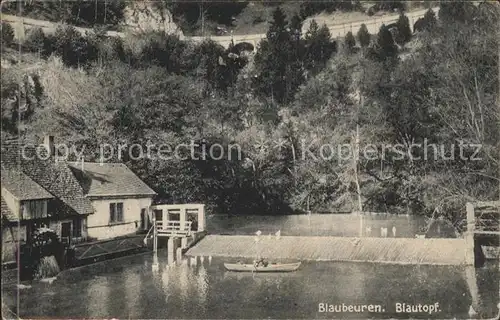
385,49
427,22
364,36
278,64
296,27
350,42
404,31
319,47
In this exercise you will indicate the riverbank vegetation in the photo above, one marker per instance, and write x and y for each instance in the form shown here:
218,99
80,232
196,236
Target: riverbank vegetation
288,107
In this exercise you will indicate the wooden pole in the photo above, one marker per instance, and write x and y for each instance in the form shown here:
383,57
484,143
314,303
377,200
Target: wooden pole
171,249
469,234
155,245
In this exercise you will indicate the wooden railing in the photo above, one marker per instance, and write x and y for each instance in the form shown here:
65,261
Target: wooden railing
484,217
173,228
102,248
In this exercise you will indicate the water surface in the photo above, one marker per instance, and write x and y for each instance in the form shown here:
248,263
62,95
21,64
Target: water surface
129,288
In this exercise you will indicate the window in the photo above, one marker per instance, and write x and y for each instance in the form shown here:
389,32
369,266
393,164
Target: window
34,209
116,212
77,228
158,215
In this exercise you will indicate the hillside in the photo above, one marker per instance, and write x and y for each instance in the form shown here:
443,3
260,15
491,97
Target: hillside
196,19
289,107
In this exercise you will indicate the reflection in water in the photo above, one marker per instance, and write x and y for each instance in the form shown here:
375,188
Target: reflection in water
97,297
132,291
183,281
165,277
202,286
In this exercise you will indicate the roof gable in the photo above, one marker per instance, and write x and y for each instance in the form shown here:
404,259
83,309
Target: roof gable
55,177
23,187
7,213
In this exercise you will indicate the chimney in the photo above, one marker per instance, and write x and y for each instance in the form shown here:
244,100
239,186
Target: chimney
48,141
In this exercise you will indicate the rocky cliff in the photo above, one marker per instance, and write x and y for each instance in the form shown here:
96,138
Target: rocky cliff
143,16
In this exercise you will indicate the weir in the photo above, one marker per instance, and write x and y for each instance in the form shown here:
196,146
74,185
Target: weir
434,251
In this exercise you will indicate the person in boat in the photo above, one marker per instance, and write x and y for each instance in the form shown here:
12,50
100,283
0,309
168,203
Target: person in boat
261,263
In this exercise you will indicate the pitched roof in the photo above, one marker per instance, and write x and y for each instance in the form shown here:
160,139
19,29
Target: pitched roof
7,213
55,177
109,179
23,187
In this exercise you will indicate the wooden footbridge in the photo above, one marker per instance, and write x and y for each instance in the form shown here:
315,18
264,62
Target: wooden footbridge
483,229
178,223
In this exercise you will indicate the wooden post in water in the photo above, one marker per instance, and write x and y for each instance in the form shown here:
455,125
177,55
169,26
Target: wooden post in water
470,270
469,234
171,249
201,218
179,254
155,245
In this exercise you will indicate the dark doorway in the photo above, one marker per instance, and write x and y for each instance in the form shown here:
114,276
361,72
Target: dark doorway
66,233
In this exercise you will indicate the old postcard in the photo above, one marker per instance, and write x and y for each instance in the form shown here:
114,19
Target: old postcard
188,159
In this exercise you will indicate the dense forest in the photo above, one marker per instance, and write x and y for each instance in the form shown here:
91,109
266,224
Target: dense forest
437,87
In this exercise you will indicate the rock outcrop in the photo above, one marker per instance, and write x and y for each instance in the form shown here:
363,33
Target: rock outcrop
143,16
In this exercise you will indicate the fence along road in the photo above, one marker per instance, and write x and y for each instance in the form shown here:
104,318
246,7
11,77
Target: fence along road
21,24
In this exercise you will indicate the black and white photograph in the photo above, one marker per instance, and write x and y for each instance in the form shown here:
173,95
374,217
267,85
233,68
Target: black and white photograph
233,159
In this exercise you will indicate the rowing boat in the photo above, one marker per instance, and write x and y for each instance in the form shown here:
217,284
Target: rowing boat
287,267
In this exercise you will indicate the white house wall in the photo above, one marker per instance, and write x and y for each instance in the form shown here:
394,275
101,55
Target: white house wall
12,202
98,226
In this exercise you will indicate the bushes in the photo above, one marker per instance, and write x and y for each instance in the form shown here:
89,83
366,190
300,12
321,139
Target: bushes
457,11
157,48
7,34
72,47
187,13
312,7
167,51
36,41
390,5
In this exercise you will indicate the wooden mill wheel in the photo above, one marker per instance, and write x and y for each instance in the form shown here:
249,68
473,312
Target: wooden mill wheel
45,241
